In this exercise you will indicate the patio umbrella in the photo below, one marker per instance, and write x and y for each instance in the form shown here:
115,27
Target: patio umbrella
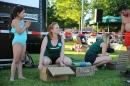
108,20
111,19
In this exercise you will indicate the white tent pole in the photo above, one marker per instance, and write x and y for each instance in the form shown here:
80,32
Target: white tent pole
97,28
82,16
108,27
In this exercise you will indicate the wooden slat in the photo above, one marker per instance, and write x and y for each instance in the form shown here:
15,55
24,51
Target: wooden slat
122,57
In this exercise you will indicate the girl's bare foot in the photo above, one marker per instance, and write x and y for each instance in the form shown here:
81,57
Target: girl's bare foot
11,79
21,77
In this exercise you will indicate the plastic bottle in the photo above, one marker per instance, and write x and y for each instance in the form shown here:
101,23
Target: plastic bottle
82,64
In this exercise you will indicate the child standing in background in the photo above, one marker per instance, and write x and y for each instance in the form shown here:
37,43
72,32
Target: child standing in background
19,28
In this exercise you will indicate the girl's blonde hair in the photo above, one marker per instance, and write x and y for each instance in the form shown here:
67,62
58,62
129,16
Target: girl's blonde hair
106,38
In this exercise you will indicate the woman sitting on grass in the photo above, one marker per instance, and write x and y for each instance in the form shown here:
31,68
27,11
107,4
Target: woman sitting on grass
52,48
97,48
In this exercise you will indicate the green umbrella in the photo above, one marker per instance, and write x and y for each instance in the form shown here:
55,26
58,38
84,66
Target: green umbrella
111,19
107,20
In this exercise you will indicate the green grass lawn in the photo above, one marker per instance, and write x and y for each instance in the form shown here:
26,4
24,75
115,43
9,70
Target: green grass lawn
102,77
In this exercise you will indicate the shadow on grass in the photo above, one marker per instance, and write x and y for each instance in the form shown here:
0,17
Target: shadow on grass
76,58
117,52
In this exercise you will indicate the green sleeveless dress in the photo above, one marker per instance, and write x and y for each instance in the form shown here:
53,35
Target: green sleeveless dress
53,52
93,51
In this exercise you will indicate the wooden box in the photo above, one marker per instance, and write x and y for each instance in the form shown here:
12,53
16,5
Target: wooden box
83,71
120,64
116,66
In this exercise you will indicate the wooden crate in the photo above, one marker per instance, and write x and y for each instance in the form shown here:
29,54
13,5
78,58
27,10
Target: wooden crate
120,64
116,66
83,71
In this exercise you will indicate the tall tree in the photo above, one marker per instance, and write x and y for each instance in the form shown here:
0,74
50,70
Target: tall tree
70,9
109,6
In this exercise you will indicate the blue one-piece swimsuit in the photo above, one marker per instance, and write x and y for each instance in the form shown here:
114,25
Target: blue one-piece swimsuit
19,37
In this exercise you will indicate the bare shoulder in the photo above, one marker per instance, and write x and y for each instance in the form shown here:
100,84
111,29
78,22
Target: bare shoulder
45,38
14,22
62,37
123,19
123,16
103,44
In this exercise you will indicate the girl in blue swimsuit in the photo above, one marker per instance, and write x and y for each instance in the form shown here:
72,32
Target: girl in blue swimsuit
19,28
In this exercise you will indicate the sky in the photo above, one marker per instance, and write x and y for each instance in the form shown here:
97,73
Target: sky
88,15
34,3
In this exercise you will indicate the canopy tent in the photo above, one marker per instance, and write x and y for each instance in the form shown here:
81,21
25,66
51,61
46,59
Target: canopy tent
111,19
88,29
108,20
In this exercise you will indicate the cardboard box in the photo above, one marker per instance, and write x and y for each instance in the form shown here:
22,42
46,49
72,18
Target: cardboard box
83,71
55,73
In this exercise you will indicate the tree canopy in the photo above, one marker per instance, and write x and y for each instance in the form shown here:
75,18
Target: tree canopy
68,12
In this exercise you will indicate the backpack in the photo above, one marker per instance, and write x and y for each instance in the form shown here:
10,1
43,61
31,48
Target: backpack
110,50
28,60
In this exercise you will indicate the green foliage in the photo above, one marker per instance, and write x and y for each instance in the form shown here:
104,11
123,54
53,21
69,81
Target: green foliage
109,6
50,15
70,9
66,12
87,21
